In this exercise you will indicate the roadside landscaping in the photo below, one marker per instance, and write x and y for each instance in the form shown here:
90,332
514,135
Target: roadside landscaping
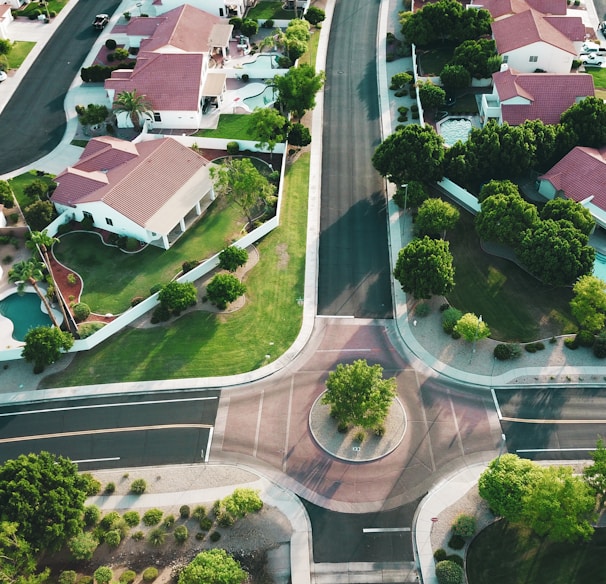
230,127
269,10
19,51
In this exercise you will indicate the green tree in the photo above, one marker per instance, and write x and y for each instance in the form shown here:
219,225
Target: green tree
432,97
358,395
44,345
410,195
39,214
595,474
435,217
587,121
134,105
83,545
36,190
455,77
214,566
425,268
400,80
498,187
17,560
223,289
232,257
237,505
412,153
45,495
471,327
588,304
295,38
448,572
297,89
559,506
299,135
103,575
7,199
477,56
504,484
177,296
314,15
5,46
92,114
571,211
31,272
249,27
239,181
556,254
269,127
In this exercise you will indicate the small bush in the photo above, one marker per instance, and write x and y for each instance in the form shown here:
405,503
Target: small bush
206,523
85,580
342,428
284,62
455,335
422,310
132,518
121,54
233,148
103,575
93,486
571,343
505,351
360,436
71,279
215,536
127,577
181,534
110,521
585,338
154,289
450,317
67,577
449,573
200,535
456,542
138,536
81,312
599,346
91,515
232,257
188,265
440,555
245,77
110,488
136,300
530,348
138,487
464,525
268,23
152,517
150,574
199,513
157,536
168,522
160,314
110,44
184,511
379,431
113,538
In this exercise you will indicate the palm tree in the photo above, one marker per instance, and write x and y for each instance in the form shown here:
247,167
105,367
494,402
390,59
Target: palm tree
134,105
30,272
44,242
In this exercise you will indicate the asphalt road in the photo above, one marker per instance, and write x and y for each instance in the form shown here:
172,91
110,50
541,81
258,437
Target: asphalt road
354,271
33,122
169,428
553,423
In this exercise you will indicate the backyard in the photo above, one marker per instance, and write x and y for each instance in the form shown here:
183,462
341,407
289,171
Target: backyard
270,10
507,554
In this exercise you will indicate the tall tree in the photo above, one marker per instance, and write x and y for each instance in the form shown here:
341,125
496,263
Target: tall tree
45,495
587,120
477,57
588,305
134,105
435,217
571,211
595,474
243,185
432,97
31,272
297,89
214,566
498,187
269,127
17,560
455,78
358,395
424,268
177,296
44,345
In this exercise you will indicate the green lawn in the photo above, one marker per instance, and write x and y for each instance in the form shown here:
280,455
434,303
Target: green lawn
432,61
201,344
231,126
465,104
18,52
599,76
19,183
112,278
516,306
269,10
309,57
53,6
503,554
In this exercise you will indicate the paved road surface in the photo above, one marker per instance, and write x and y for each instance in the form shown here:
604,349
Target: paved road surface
353,262
33,122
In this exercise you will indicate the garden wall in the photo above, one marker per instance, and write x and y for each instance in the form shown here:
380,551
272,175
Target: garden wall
415,72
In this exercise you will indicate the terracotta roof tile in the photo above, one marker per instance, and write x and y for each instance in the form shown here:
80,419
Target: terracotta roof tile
571,27
499,8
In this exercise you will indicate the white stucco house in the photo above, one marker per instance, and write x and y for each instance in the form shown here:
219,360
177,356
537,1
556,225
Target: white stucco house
173,68
151,191
6,17
503,8
221,8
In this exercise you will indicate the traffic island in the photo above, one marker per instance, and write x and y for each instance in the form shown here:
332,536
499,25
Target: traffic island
347,446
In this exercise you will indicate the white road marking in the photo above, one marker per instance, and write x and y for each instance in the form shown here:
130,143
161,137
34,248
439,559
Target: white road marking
288,415
343,350
209,443
333,316
540,421
93,406
259,416
555,449
385,529
496,404
97,459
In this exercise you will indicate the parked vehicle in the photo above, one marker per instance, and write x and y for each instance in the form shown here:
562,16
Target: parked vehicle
101,21
3,76
589,48
593,60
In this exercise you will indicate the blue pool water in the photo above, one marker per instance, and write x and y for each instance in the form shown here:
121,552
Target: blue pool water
599,266
24,311
262,62
263,99
455,129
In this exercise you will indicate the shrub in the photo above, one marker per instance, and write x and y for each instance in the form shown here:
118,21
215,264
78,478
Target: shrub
585,338
189,265
109,521
184,511
181,534
113,538
157,536
81,312
110,44
83,546
150,574
138,536
284,62
464,525
206,523
360,436
315,15
422,309
136,300
152,517
449,573
67,577
132,518
539,346
91,515
200,535
530,348
215,536
160,314
199,513
103,575
155,288
93,486
168,522
450,317
138,486
571,343
85,580
439,555
599,346
223,289
505,351
127,577
131,244
458,560
268,23
232,148
110,488
456,542
121,54
110,57
232,257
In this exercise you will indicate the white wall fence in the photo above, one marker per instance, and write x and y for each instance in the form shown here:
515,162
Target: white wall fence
132,314
415,72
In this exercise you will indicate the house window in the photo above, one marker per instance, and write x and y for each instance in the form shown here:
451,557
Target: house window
221,12
109,221
157,117
505,58
533,58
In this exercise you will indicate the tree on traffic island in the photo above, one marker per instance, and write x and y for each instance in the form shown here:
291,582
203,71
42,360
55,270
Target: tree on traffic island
471,327
214,566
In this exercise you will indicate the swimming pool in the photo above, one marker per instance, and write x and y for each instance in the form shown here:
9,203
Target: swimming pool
262,62
263,99
454,129
23,310
599,266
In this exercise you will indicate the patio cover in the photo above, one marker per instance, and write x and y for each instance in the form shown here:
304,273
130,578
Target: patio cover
220,35
214,85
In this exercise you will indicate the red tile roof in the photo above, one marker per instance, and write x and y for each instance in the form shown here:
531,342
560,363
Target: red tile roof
498,8
138,186
581,174
571,27
527,28
550,94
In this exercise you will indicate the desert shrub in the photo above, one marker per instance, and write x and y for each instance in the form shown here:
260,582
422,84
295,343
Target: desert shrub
138,486
232,148
189,265
83,546
456,542
168,522
439,555
449,573
150,574
157,536
85,580
113,538
184,511
127,577
422,309
110,488
599,346
505,351
81,312
458,560
585,338
181,534
200,535
138,536
360,436
215,536
152,517
199,513
103,575
450,317
132,518
93,486
110,44
91,515
571,343
206,523
67,577
110,521
464,525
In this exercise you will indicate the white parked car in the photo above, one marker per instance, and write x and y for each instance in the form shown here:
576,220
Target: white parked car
3,76
593,60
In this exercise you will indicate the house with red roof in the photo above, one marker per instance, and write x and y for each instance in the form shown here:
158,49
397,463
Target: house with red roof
173,68
530,41
221,8
151,190
517,97
580,176
503,8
